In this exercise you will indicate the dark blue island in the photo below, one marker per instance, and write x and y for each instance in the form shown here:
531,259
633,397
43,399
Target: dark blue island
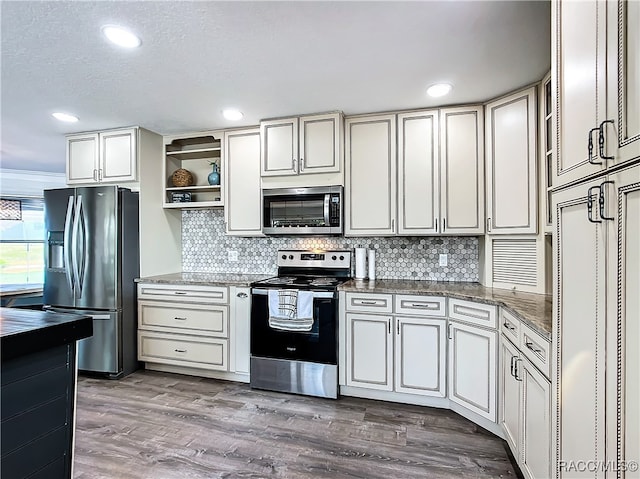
37,395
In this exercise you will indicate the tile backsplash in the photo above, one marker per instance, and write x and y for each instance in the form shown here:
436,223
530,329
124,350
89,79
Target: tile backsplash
205,249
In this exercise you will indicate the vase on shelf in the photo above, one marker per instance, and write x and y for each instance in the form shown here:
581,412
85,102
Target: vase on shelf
214,176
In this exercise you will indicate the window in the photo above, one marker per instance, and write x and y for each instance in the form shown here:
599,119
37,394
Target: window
22,245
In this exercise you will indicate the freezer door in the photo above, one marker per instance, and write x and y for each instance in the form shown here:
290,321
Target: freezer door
102,352
96,245
58,273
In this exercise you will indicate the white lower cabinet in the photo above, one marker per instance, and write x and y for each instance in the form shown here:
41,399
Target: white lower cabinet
402,354
525,409
183,350
197,328
420,356
369,351
240,329
472,368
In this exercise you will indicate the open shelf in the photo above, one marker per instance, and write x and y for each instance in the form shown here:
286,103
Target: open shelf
194,154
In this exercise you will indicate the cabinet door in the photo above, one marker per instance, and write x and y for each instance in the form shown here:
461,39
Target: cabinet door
279,155
512,199
462,170
623,80
536,421
242,182
320,140
240,329
623,317
579,327
472,369
418,173
420,356
82,158
118,155
578,82
510,396
369,351
370,176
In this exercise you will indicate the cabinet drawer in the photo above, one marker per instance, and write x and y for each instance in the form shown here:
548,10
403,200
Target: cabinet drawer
183,350
510,325
186,319
371,303
475,313
422,305
179,292
536,349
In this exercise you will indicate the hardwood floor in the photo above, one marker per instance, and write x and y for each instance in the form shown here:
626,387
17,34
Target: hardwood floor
165,426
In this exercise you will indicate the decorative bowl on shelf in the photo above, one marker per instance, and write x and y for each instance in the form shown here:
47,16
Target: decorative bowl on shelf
182,177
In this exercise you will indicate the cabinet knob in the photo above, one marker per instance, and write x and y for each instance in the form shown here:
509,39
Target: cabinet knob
242,295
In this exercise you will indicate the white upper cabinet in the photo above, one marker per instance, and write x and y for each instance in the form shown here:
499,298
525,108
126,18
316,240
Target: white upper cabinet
279,147
109,156
462,170
511,164
622,132
302,145
436,166
370,190
242,182
578,76
320,140
82,158
418,173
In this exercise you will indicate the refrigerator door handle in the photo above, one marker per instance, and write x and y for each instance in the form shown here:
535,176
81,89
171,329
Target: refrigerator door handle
67,247
74,247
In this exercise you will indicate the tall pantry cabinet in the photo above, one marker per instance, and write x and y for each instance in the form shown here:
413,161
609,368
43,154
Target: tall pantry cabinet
596,329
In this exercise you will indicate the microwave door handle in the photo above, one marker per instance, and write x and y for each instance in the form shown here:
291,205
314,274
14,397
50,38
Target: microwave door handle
327,197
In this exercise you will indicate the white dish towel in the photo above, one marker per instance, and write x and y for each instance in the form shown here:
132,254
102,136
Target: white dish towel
290,309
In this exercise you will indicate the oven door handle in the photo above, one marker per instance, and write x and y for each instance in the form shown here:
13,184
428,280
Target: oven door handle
316,294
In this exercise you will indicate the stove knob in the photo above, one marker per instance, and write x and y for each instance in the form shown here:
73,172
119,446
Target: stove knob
334,257
290,256
284,256
341,258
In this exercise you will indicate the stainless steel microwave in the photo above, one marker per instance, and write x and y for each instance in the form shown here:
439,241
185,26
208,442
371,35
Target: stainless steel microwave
290,211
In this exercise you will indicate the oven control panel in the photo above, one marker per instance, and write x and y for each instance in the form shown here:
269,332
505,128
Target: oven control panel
315,259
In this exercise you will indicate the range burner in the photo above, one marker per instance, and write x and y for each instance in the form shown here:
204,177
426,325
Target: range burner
280,280
309,270
323,282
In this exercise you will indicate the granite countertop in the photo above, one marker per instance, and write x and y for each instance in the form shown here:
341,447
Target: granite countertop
205,279
533,309
24,331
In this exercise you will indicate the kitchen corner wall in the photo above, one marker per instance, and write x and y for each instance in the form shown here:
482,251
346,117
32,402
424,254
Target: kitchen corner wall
205,247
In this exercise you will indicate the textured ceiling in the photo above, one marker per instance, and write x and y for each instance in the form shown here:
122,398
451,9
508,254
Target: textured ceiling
269,59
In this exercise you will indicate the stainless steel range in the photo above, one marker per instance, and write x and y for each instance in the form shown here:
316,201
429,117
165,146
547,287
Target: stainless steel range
294,323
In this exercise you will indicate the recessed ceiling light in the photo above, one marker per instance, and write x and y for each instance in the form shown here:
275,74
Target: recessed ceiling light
65,117
121,36
232,114
439,89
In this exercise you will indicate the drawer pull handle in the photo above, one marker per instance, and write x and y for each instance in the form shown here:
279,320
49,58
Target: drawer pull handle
180,350
369,303
179,292
242,295
179,318
529,344
508,326
420,305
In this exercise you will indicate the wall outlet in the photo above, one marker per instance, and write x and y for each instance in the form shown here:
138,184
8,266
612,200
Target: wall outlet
232,255
443,260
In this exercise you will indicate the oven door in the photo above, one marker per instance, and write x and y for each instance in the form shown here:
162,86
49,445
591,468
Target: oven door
318,345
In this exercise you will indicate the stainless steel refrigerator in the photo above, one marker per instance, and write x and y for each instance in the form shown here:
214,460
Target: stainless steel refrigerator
91,261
